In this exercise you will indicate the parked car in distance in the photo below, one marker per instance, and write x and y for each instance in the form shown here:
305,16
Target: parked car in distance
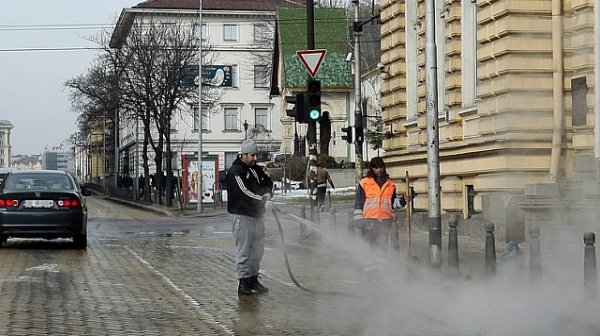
45,204
273,169
222,180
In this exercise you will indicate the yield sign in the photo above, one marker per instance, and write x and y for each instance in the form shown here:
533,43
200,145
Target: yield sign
312,60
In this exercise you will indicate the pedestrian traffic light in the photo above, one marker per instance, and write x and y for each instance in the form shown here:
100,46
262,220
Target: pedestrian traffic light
348,135
314,100
360,135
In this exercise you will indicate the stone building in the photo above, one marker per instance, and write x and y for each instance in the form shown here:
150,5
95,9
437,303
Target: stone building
516,98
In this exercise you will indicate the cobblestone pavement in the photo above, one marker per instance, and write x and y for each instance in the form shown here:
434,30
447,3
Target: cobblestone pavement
184,284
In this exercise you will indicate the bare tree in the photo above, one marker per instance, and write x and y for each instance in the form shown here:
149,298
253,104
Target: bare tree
155,60
94,95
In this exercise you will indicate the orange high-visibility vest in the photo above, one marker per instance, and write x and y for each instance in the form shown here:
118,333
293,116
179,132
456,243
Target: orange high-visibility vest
378,201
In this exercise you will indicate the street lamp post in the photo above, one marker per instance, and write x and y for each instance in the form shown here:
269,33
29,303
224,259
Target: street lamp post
199,114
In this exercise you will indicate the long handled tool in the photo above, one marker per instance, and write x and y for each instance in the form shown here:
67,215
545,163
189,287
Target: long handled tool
408,207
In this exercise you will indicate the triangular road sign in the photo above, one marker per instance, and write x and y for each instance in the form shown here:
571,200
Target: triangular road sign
312,60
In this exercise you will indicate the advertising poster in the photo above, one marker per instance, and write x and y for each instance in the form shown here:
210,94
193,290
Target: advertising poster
192,181
209,175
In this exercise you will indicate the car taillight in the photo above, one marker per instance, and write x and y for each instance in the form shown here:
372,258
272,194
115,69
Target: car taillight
9,203
68,203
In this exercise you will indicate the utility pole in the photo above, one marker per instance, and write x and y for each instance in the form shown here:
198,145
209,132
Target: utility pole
433,155
358,119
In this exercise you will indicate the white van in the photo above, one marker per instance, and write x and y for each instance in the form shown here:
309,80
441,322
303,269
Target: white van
280,156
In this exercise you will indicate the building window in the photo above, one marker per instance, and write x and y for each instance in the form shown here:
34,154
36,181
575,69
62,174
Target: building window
229,158
204,31
260,33
174,122
169,29
261,76
230,32
235,81
261,117
231,118
205,120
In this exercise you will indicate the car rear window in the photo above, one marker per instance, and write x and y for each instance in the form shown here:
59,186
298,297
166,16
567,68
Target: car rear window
37,182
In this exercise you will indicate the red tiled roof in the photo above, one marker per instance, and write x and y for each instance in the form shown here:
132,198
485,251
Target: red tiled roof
252,5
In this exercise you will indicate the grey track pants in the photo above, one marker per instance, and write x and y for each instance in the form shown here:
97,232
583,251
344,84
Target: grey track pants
249,234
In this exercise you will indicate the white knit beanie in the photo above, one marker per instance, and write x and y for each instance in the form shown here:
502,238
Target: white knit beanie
249,146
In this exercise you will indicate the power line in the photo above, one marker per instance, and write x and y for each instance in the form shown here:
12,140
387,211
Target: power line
49,49
53,27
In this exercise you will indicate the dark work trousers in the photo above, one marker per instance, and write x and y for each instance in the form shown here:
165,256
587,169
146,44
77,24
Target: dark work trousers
321,195
376,233
249,234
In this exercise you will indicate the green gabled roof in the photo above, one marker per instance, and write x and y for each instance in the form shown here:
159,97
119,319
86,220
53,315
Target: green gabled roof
331,33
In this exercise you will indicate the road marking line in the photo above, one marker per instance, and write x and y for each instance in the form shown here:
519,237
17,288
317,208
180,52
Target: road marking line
182,292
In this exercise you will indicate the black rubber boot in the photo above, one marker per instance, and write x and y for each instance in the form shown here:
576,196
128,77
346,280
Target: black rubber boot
245,287
257,286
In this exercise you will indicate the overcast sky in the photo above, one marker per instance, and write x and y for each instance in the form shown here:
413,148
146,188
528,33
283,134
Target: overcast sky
37,38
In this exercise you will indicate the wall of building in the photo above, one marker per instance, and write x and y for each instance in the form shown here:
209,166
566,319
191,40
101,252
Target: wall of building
505,75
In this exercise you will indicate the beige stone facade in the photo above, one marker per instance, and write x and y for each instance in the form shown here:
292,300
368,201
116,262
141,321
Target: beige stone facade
5,147
516,79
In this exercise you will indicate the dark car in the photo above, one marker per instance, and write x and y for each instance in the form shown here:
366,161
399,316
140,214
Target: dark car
222,180
43,204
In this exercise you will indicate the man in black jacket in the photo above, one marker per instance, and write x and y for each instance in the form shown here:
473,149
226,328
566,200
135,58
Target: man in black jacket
249,192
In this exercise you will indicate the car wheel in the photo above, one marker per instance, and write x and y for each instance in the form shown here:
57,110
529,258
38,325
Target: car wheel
80,241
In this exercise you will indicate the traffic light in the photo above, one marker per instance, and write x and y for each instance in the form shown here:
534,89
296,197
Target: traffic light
293,112
314,100
360,134
298,112
348,135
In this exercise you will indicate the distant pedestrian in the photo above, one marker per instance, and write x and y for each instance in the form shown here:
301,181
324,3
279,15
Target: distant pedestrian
249,190
322,178
141,184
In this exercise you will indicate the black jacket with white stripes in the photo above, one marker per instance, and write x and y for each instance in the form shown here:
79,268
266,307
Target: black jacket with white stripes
245,189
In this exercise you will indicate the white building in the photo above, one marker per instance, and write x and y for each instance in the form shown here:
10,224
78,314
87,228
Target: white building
57,159
240,34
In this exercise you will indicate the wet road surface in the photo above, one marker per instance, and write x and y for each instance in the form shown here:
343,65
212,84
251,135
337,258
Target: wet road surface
144,274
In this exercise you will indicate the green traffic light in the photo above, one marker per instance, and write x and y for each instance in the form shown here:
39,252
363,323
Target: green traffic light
314,114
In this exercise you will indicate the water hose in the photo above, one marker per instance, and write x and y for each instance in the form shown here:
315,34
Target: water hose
287,262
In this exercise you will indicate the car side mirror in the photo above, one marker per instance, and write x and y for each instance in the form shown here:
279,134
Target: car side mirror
86,192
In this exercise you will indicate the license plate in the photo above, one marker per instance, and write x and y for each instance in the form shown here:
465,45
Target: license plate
38,203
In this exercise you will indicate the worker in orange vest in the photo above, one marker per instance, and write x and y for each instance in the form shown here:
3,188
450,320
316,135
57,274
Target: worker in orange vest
375,201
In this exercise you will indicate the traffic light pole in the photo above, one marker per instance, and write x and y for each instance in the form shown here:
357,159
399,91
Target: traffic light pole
312,125
358,118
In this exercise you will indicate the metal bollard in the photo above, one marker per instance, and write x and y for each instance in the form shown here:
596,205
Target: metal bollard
490,250
590,275
351,222
332,219
453,245
302,226
535,257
